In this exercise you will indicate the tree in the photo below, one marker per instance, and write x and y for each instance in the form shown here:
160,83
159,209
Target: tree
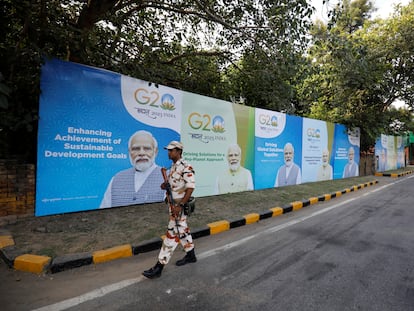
266,80
392,43
353,14
356,74
399,121
185,44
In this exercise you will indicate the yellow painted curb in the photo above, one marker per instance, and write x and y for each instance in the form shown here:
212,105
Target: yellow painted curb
219,226
355,188
6,240
378,174
251,218
296,205
327,197
277,211
394,175
362,186
348,190
313,200
31,263
338,194
112,253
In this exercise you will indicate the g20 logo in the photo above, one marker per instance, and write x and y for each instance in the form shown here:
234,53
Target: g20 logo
145,97
206,123
315,133
268,120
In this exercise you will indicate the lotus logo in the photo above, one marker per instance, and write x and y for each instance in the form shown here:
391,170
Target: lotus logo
167,102
151,98
315,133
206,123
268,120
273,121
218,124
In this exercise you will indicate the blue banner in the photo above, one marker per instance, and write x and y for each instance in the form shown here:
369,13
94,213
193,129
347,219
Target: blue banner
101,137
346,151
278,149
87,117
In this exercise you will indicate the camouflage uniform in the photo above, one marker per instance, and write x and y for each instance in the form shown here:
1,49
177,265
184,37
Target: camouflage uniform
181,177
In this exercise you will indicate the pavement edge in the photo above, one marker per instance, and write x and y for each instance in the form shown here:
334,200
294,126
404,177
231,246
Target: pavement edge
43,264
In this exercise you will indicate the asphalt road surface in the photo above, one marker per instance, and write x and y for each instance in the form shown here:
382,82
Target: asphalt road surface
355,252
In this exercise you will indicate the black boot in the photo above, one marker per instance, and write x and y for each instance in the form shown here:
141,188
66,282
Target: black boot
188,258
154,272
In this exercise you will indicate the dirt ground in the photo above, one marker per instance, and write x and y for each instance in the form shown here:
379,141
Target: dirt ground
90,231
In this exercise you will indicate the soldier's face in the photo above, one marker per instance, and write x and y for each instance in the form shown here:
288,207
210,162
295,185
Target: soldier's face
174,154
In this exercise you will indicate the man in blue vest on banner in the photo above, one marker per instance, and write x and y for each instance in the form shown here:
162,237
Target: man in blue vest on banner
351,168
288,174
140,183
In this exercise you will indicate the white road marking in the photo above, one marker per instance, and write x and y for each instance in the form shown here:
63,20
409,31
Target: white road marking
99,292
102,291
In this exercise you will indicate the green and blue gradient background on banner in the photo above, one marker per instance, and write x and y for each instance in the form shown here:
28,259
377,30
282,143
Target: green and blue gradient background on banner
208,127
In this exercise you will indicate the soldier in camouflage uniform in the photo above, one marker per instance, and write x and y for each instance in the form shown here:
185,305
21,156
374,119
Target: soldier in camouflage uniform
182,183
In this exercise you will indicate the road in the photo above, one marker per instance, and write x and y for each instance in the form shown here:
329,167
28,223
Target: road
351,253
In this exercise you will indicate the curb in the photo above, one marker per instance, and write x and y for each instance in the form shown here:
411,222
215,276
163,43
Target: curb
393,175
44,264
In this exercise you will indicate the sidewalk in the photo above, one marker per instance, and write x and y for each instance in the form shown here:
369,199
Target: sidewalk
50,244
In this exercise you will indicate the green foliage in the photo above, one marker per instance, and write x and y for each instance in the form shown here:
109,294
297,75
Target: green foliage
353,71
353,14
4,95
26,39
265,81
359,68
184,44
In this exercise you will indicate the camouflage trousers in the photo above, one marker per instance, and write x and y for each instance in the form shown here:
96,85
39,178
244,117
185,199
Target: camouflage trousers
172,238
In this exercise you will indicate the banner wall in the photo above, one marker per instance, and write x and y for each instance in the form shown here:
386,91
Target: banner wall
346,152
87,115
101,142
389,153
275,132
317,163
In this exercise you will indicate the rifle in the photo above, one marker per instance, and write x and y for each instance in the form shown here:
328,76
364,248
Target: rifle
170,199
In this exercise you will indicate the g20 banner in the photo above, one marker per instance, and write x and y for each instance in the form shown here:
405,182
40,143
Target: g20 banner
389,153
216,133
101,137
278,149
94,126
346,152
317,160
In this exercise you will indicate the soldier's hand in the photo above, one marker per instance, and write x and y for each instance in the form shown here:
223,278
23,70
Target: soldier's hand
176,211
165,185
